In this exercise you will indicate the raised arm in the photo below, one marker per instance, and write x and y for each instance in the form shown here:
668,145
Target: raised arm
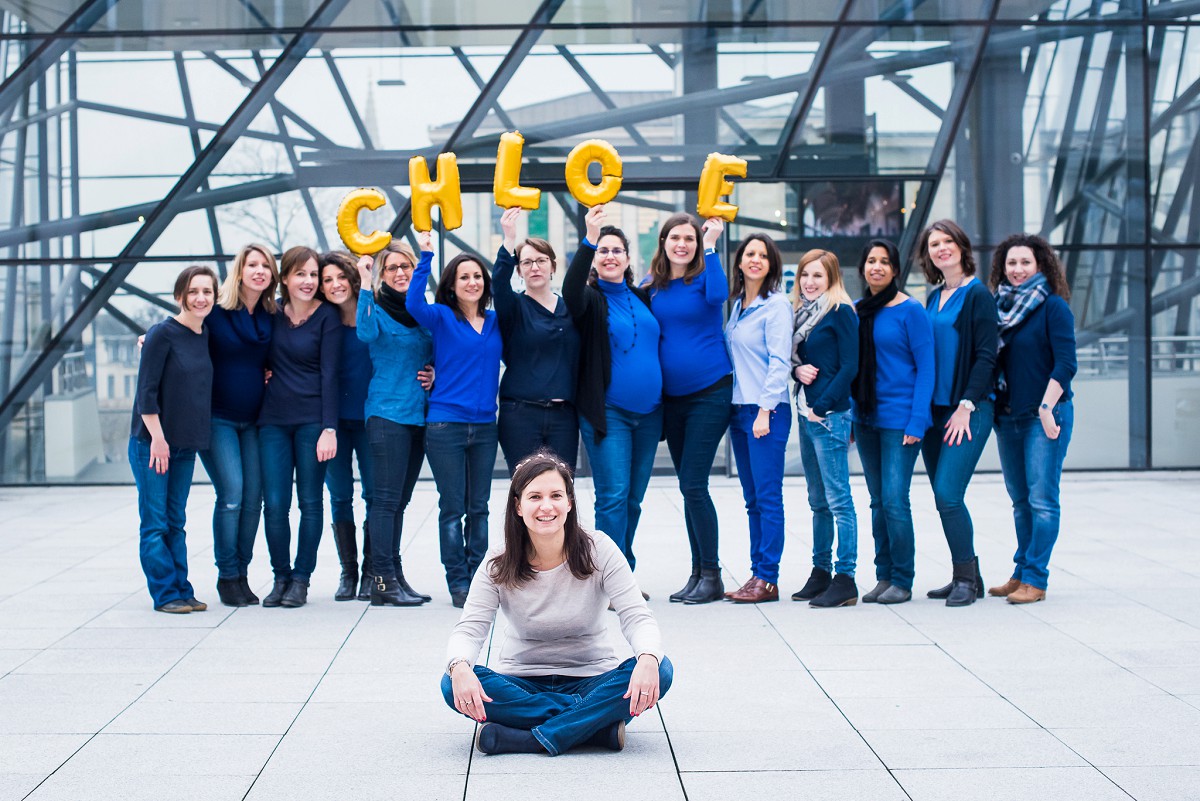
422,310
366,318
716,283
575,281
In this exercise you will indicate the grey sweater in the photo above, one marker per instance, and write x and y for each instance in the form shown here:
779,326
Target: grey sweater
556,622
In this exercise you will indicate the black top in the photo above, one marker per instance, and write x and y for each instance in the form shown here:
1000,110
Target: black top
304,363
831,347
175,380
1040,348
541,347
238,342
978,328
589,308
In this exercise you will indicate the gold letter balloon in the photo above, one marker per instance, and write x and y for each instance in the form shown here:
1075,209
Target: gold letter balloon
443,193
506,185
359,243
581,188
714,184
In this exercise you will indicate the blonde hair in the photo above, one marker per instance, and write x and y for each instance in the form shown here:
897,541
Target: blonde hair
837,288
230,294
402,248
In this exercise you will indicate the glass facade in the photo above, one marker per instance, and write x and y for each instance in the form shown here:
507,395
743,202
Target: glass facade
137,137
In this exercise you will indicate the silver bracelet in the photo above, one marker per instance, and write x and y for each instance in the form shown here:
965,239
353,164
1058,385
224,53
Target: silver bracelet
455,663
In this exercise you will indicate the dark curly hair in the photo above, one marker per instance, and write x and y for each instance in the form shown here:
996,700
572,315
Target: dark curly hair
951,229
1048,263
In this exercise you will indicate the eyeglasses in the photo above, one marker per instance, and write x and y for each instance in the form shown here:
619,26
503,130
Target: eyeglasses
541,261
391,269
618,252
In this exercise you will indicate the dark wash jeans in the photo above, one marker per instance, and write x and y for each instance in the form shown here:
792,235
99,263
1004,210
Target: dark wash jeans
526,426
950,468
760,465
396,454
824,452
232,462
561,711
621,466
888,469
352,442
287,452
162,507
1032,465
694,426
462,457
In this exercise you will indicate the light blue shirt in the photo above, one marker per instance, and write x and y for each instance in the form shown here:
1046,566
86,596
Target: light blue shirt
760,345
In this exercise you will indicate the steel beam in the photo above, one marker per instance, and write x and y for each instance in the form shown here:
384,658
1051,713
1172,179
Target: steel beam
158,220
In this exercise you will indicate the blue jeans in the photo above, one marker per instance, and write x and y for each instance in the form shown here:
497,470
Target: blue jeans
396,454
561,711
760,469
950,468
288,451
525,427
694,426
162,506
621,467
888,468
1032,465
233,465
462,457
824,452
339,473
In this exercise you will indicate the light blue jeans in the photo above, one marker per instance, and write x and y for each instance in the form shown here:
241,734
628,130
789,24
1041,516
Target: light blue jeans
824,452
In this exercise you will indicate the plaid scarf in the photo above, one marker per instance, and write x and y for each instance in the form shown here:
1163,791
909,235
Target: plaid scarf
1015,303
804,320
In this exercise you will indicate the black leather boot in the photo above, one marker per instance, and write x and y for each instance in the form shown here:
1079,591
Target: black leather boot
841,592
944,592
230,592
708,588
364,586
693,580
406,587
275,596
296,595
818,582
347,551
964,587
247,594
387,592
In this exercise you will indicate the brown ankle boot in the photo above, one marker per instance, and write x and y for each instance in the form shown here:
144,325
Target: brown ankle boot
1027,594
1005,589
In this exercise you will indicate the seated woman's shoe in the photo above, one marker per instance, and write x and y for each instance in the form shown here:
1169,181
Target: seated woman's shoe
840,592
1006,589
611,737
818,582
1026,594
296,595
709,588
756,591
894,595
275,596
965,587
387,592
873,596
693,580
492,738
229,591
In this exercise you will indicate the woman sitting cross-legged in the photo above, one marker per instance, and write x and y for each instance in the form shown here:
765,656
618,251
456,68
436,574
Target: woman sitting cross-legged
557,681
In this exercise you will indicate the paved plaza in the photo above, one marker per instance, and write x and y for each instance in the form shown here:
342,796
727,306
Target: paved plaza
1092,695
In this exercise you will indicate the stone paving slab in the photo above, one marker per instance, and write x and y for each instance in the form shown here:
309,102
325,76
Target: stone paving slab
1094,694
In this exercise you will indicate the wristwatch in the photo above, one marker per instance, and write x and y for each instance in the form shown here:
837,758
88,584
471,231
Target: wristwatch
710,251
966,404
330,430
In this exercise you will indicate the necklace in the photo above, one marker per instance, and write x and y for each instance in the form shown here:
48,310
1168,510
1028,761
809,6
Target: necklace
632,317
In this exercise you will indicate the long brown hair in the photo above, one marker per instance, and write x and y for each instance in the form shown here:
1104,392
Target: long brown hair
951,229
293,259
445,294
1047,261
660,265
511,567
